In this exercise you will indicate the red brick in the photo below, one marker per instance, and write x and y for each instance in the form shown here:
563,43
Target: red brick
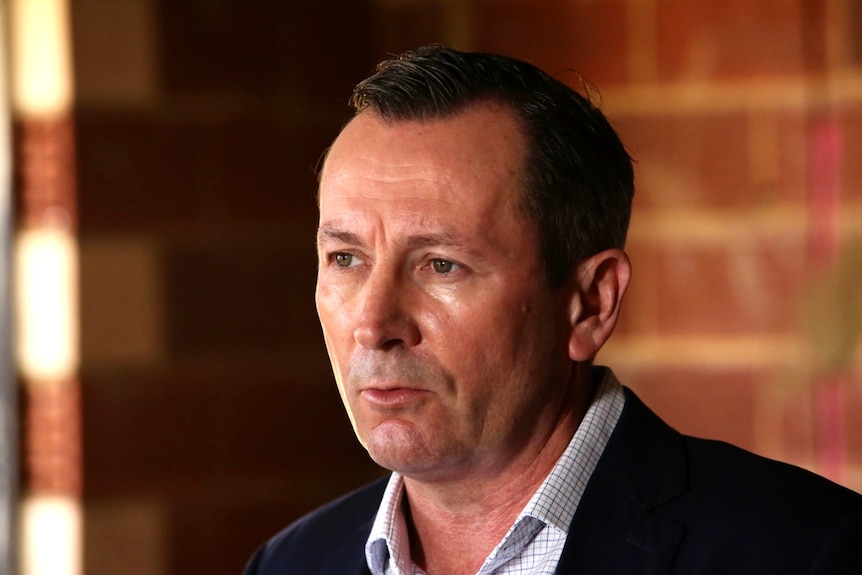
162,434
587,38
407,25
684,288
721,39
704,159
266,169
796,434
639,313
231,459
820,429
853,407
715,404
689,160
178,172
136,169
848,119
793,149
252,296
288,50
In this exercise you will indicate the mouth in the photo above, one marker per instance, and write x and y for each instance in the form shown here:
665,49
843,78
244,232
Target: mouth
392,397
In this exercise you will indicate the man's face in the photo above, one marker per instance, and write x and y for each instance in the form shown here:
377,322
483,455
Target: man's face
448,347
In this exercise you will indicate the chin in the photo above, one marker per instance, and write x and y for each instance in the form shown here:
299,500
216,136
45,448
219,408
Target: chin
398,446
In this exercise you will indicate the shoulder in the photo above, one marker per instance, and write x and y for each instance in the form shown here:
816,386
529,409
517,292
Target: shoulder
748,508
330,539
733,506
720,471
764,486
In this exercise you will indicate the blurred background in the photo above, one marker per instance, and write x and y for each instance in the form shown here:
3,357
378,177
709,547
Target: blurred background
196,414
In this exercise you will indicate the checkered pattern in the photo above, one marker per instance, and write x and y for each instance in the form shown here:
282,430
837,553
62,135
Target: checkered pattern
535,541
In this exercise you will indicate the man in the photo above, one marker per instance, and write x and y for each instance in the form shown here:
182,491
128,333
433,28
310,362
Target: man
473,216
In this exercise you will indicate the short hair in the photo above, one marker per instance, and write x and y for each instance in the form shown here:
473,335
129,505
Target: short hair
578,179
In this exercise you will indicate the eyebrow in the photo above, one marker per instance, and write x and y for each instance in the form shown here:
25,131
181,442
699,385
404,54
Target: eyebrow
329,232
436,239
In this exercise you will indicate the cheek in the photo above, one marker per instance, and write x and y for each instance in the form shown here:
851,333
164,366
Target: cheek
331,311
521,340
336,336
326,297
480,345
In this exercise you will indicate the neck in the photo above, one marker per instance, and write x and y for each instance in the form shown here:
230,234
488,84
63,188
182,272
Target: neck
469,516
454,522
471,513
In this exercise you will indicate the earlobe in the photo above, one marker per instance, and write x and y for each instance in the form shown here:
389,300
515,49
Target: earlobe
598,286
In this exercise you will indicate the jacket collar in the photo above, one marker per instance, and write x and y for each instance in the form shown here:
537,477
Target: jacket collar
615,529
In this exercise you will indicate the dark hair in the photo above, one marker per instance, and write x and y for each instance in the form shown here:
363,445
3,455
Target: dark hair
578,177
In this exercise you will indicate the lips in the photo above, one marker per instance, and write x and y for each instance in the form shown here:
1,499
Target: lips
394,381
392,398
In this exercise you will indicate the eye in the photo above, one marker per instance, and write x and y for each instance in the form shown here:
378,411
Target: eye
342,259
442,266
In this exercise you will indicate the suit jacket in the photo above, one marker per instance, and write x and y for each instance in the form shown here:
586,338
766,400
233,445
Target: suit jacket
658,503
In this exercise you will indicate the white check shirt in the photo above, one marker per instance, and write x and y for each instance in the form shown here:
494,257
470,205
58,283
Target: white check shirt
534,543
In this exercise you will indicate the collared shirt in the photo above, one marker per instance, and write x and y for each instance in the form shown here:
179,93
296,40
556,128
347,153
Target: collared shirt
534,543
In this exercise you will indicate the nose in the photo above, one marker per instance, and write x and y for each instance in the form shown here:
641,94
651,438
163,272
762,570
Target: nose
385,317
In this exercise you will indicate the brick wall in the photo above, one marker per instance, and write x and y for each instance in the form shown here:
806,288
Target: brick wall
744,318
210,416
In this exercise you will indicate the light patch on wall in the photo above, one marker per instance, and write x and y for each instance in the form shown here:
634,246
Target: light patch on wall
122,307
116,60
51,536
46,294
41,65
127,536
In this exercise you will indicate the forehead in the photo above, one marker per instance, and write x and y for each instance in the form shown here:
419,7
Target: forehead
471,161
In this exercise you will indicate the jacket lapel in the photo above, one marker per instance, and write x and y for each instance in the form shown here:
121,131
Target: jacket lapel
615,529
348,558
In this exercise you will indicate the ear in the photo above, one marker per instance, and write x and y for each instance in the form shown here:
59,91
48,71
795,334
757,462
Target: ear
598,286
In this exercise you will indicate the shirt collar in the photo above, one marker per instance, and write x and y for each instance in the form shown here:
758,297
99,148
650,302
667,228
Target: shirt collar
389,538
557,499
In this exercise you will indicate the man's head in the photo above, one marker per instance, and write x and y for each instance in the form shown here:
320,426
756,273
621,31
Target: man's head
454,354
577,177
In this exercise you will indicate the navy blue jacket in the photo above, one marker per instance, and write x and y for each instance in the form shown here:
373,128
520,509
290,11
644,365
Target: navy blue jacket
658,503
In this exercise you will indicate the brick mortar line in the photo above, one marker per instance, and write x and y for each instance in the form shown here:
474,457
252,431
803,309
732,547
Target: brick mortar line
711,351
723,226
708,351
677,98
